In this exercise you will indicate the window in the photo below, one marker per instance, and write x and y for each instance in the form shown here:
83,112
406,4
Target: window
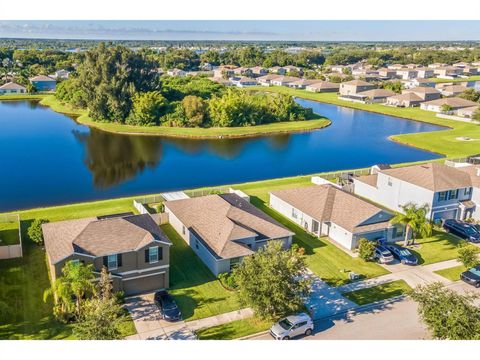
442,196
468,191
112,262
183,230
452,194
235,262
196,244
294,213
75,261
153,254
389,182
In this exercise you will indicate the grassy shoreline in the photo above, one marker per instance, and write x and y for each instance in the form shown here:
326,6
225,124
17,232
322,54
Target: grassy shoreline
442,142
193,133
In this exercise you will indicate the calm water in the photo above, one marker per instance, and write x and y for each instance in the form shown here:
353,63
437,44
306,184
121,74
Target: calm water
47,158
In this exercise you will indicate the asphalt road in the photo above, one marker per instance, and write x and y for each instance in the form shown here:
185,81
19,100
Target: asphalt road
395,321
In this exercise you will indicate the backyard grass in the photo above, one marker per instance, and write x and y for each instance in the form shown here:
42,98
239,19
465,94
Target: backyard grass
443,142
453,273
470,78
9,233
440,246
378,293
22,96
196,290
234,330
326,260
214,132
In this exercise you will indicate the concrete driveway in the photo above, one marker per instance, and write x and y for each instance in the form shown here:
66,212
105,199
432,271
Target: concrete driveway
149,323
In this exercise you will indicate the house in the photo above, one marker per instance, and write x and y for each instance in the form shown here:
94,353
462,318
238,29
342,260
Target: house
277,70
437,65
133,248
292,68
453,90
243,71
470,70
447,72
323,86
471,208
243,81
425,73
417,82
176,72
61,74
283,80
222,229
426,93
407,73
326,210
224,71
353,87
454,103
339,68
266,79
258,71
461,64
386,73
12,88
375,95
43,83
302,83
396,66
404,100
467,112
441,187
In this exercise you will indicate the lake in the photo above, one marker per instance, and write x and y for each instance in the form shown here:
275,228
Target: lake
48,158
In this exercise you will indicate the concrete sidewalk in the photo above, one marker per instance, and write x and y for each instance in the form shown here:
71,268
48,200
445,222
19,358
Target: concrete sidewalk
220,319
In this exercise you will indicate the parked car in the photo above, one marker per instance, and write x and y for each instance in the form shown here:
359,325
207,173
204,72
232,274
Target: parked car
292,326
383,255
462,229
168,307
472,276
402,254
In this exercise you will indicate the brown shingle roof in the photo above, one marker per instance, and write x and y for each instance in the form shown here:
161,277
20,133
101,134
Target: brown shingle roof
406,97
473,172
12,86
328,203
324,85
357,83
42,78
221,219
375,93
452,101
431,176
422,90
95,237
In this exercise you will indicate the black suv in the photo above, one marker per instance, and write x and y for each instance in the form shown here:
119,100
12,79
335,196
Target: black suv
462,229
168,307
472,276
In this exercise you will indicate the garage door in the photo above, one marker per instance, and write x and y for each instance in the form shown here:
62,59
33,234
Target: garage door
144,284
444,215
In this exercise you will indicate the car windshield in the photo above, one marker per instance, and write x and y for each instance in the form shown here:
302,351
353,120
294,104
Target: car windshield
169,305
404,252
285,324
475,271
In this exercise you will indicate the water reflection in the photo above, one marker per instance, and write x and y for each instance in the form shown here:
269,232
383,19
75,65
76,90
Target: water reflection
113,159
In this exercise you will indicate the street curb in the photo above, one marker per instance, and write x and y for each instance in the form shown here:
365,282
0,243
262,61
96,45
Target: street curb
354,309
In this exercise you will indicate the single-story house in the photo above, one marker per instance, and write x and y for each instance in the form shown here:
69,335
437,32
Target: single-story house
258,71
302,83
404,100
12,88
454,103
467,112
266,79
323,86
424,92
283,80
243,81
354,87
222,229
326,210
133,248
243,71
277,70
453,90
43,83
375,95
224,71
292,68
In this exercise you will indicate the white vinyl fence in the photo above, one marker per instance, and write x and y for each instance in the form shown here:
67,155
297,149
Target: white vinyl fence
11,251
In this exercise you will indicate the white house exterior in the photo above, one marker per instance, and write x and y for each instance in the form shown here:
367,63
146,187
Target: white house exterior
222,229
12,88
441,187
326,210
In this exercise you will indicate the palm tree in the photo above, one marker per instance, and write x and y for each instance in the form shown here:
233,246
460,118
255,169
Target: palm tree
414,218
75,282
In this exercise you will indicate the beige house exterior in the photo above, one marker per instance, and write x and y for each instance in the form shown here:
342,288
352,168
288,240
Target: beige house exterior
133,248
323,86
404,100
12,88
454,103
425,93
354,87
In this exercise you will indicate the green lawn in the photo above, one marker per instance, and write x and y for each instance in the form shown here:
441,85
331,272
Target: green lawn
9,233
453,273
234,330
325,259
197,291
377,293
471,78
439,247
442,142
214,132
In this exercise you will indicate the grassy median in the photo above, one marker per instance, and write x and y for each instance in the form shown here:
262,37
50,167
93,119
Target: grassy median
378,293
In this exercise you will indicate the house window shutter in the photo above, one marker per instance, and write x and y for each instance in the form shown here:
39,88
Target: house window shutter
119,260
160,253
105,261
147,255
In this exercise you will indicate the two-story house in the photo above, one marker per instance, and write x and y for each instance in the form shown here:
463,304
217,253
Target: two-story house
133,248
326,210
43,83
443,188
355,86
222,229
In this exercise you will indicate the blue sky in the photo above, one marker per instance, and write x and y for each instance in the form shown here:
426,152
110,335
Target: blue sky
320,30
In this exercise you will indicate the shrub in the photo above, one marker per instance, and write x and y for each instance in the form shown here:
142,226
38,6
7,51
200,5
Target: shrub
35,231
467,255
366,249
228,280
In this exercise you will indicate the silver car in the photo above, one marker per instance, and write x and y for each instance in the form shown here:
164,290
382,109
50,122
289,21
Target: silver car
292,326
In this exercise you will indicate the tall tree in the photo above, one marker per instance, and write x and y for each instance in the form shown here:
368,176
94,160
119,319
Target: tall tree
272,281
414,218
